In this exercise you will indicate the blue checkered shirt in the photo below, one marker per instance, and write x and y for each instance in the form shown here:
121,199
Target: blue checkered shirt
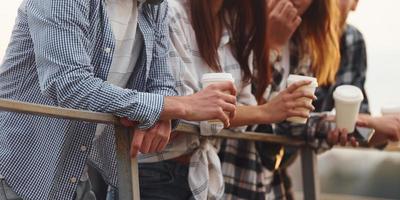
59,55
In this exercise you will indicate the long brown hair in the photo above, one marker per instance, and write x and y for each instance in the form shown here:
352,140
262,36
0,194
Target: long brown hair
318,37
247,24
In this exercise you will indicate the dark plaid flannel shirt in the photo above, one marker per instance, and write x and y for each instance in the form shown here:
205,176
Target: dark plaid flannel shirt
353,67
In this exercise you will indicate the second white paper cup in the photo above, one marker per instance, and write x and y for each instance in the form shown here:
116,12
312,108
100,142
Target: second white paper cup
390,110
309,88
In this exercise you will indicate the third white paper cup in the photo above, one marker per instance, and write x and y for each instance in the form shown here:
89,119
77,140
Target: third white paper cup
212,78
348,99
309,88
390,110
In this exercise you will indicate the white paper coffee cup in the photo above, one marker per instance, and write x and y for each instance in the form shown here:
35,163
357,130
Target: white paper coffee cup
310,88
390,110
212,78
348,99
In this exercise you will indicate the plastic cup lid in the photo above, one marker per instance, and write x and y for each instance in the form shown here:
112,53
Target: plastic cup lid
215,77
296,78
348,93
391,109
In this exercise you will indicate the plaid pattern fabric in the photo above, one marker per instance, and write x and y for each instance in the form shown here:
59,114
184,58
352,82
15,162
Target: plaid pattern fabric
352,71
59,55
244,175
188,67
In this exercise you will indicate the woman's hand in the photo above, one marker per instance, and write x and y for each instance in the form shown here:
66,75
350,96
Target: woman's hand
340,136
386,127
283,21
286,103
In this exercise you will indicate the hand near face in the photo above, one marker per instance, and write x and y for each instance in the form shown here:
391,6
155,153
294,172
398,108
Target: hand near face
283,20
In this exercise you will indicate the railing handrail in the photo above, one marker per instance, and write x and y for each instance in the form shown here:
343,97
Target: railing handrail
129,185
104,118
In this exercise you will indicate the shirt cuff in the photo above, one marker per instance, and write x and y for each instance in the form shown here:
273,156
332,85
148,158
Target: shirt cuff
148,110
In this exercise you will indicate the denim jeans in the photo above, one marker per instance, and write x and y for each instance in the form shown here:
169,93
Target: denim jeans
166,180
6,193
83,192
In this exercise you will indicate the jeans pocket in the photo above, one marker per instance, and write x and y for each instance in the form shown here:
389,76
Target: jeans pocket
155,174
6,193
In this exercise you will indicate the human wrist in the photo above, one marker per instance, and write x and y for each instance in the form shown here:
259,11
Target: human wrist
264,115
370,121
174,108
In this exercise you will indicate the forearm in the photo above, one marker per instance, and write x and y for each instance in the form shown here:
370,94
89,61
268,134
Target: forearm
94,94
249,115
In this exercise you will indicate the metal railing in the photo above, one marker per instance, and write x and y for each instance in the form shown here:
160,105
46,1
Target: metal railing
128,177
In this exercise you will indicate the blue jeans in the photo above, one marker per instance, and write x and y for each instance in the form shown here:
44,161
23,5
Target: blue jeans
83,191
6,193
166,180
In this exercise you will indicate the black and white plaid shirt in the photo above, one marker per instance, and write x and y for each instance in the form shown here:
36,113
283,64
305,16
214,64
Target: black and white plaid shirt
352,71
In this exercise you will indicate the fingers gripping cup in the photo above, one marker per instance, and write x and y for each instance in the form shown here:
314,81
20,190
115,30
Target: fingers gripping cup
310,88
212,78
348,99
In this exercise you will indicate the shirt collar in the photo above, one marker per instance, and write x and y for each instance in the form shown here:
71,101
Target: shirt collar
225,38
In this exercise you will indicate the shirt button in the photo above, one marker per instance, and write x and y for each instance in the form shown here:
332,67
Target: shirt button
73,180
83,148
107,50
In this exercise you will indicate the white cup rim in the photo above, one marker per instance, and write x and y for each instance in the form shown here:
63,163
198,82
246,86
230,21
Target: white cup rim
217,77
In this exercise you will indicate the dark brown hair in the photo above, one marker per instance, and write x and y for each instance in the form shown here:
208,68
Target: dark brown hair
246,21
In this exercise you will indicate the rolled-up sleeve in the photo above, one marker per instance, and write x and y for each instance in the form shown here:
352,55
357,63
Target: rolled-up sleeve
59,31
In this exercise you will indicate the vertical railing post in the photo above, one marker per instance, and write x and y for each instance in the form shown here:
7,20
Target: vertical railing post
128,176
310,174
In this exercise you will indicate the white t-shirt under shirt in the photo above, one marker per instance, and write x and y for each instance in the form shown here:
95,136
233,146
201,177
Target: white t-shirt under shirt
284,67
285,63
123,18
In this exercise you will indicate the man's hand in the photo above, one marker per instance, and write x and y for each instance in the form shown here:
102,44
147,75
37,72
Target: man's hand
152,140
210,103
283,21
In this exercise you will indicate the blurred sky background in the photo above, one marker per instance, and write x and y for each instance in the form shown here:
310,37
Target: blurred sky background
357,172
